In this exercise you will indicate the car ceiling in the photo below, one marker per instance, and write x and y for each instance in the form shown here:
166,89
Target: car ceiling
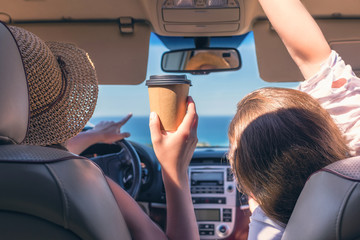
121,56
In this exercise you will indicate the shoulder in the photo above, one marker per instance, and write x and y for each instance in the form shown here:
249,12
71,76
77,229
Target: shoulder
261,227
333,76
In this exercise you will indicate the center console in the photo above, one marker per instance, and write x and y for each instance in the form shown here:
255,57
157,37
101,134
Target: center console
220,210
214,197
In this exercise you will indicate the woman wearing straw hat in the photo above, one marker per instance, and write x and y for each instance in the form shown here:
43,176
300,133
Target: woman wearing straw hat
63,91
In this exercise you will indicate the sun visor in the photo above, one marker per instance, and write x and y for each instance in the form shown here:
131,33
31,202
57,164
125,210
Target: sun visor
14,100
348,50
119,58
275,63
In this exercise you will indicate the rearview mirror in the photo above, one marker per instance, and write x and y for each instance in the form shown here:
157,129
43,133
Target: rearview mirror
201,61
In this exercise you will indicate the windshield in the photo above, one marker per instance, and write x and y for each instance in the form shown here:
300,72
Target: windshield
215,95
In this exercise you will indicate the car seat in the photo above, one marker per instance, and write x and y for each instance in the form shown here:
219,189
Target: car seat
329,205
46,193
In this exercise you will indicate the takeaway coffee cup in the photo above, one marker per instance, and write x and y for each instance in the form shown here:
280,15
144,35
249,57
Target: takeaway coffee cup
167,96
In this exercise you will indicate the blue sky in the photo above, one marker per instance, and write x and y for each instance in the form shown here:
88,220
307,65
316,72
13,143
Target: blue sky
214,94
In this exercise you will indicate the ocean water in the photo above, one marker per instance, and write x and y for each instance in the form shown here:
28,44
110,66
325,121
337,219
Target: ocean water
212,130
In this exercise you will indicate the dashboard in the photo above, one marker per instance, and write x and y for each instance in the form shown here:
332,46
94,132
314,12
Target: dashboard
221,211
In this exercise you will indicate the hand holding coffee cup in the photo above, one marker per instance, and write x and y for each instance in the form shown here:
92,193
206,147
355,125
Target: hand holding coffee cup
167,96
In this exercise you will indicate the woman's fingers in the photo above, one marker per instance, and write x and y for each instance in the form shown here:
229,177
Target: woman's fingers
190,120
187,127
124,120
154,125
123,135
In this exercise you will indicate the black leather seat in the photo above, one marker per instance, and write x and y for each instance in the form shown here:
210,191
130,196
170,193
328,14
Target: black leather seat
52,194
46,193
329,205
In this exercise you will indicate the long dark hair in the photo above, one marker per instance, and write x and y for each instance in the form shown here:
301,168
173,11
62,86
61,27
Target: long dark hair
278,138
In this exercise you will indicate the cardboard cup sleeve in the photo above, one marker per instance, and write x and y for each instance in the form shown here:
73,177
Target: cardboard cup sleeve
168,99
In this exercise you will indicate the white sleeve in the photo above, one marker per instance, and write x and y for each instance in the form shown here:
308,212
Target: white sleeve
263,228
337,89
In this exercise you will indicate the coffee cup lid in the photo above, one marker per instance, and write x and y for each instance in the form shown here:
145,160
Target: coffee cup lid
158,80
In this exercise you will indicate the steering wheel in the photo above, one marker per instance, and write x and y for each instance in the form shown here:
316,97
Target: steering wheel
123,167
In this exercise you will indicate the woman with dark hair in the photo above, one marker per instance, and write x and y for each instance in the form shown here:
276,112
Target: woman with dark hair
279,137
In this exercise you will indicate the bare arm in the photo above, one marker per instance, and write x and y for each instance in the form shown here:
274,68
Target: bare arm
104,132
299,32
174,151
138,223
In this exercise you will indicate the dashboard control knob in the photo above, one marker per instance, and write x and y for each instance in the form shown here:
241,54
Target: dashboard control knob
223,230
230,188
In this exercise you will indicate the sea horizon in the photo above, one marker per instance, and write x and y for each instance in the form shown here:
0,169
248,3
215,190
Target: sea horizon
212,130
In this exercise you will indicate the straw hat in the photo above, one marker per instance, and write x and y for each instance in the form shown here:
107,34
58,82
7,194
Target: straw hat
62,86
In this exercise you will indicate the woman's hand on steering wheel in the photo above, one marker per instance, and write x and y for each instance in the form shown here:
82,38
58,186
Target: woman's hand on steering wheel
103,132
110,131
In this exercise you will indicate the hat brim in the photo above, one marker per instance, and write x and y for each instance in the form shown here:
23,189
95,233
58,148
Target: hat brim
69,114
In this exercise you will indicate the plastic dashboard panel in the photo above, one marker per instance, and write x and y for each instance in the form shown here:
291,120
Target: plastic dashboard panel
222,212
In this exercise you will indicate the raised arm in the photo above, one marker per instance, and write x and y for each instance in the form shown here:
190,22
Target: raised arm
174,151
299,32
103,132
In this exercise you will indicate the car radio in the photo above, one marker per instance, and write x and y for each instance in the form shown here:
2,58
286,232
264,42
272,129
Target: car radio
213,194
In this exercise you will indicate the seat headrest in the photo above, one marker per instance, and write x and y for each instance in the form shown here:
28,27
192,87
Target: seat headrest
14,99
348,168
328,206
